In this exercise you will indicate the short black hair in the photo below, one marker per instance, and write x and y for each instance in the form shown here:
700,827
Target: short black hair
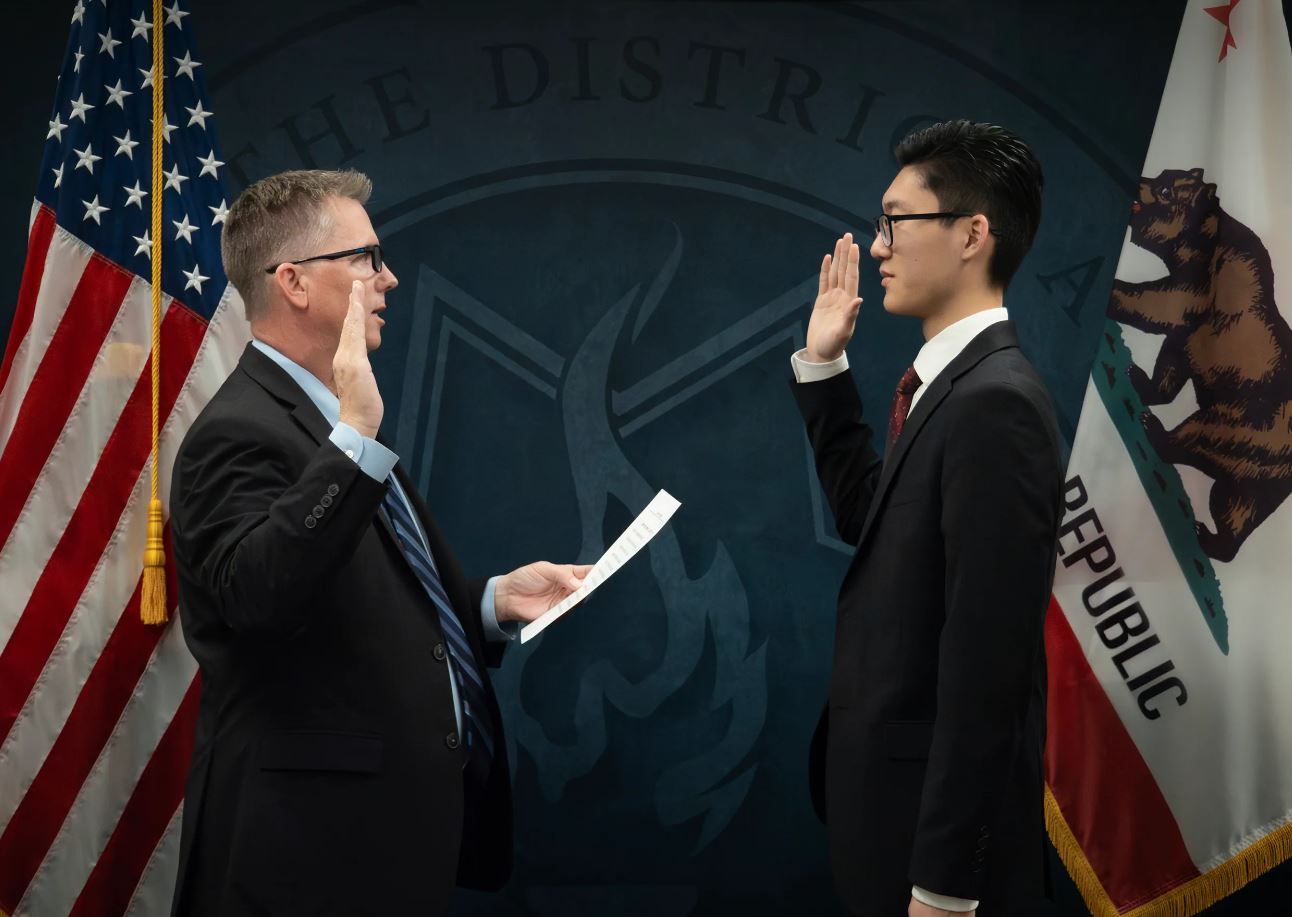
984,169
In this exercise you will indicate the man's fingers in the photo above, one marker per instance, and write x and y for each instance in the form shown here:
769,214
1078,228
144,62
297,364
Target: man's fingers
851,280
836,264
825,276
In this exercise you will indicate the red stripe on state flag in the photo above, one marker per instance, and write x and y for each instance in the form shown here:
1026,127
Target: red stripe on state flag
152,805
45,805
96,517
57,384
1098,777
42,231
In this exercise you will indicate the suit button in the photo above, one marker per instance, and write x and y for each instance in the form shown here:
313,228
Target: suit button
451,740
438,652
325,501
318,512
310,522
333,490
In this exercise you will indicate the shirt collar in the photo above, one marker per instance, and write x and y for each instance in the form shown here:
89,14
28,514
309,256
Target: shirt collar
946,345
327,403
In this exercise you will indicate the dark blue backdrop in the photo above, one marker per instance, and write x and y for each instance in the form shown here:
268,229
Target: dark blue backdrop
606,220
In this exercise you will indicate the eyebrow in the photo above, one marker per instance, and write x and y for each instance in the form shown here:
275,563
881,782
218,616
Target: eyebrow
891,205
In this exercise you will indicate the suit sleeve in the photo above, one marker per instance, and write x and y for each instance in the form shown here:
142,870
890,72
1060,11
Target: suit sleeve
846,460
1000,502
258,538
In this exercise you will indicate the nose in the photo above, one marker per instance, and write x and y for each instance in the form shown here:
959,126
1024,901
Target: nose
386,280
878,250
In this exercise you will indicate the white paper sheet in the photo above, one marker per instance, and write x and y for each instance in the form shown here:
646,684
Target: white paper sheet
645,527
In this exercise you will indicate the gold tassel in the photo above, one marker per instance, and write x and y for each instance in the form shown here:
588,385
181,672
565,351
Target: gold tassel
152,605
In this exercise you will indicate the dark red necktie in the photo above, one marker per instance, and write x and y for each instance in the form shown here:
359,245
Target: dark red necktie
902,404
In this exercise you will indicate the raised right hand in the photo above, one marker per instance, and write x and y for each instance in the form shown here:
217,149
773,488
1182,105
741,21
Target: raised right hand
356,386
834,315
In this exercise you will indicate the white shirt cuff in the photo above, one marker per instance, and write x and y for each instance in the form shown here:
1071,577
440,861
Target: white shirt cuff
493,631
373,459
807,371
946,902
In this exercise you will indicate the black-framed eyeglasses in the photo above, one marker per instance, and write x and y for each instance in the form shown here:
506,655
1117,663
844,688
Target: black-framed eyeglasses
372,251
884,222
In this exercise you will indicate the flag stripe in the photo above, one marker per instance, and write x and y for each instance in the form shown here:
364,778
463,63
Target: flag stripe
156,885
104,797
64,264
35,823
1096,774
42,230
61,483
58,382
152,805
96,517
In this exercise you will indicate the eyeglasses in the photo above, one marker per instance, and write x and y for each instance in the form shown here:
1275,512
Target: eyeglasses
372,251
884,222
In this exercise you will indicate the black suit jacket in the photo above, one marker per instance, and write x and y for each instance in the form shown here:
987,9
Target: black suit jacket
936,716
327,776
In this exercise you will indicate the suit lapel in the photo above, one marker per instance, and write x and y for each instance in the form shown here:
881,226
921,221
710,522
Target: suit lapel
274,379
989,340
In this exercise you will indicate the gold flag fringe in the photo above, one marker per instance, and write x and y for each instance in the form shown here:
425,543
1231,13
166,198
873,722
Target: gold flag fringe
1185,900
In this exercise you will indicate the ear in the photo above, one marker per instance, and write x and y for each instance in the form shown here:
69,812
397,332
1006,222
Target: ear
290,283
976,239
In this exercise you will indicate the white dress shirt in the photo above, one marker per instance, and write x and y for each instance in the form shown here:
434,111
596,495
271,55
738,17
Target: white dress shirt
935,356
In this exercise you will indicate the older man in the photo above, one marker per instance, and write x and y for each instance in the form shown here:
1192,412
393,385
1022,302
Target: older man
350,756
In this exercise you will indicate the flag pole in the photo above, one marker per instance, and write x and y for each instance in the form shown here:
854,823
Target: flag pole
152,605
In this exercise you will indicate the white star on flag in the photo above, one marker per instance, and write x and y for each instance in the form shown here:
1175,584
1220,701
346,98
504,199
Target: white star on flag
194,279
126,146
136,195
199,115
174,15
221,213
186,65
117,95
87,158
148,77
142,26
56,128
145,246
79,108
79,55
209,164
93,209
108,44
58,175
184,230
167,127
173,178
78,12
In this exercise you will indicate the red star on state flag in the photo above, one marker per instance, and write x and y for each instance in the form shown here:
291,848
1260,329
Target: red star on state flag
1221,14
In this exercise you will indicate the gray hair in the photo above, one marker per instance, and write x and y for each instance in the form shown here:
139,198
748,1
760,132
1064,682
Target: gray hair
280,217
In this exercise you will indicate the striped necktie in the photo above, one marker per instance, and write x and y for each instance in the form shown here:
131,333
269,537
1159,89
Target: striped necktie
470,681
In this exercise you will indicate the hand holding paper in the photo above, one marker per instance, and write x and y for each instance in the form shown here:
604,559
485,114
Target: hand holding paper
645,527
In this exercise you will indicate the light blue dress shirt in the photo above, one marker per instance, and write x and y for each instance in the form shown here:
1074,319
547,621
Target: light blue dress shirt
378,463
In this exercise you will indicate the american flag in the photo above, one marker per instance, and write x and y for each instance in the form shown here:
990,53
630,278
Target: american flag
97,710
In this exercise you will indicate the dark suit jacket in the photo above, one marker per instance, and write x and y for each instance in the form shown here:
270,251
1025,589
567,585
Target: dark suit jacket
936,716
327,777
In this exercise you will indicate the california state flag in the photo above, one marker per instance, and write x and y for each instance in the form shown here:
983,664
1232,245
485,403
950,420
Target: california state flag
1169,756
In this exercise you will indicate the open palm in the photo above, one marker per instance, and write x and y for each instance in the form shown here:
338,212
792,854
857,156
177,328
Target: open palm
834,315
